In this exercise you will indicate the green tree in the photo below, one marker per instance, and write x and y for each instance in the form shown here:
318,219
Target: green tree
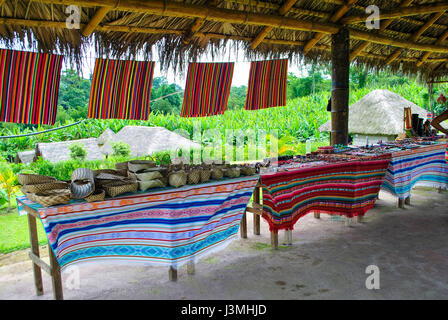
74,91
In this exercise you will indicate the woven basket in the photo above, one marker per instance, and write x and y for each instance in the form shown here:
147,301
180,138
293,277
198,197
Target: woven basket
117,172
42,187
52,197
247,171
148,175
83,183
177,178
232,172
138,165
121,166
194,176
25,178
206,173
216,173
98,195
145,185
116,188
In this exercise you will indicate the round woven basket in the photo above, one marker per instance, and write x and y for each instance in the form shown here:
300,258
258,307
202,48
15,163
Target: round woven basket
97,195
25,178
206,173
83,183
177,178
149,175
145,185
247,171
42,187
216,173
194,176
121,166
52,197
232,172
116,188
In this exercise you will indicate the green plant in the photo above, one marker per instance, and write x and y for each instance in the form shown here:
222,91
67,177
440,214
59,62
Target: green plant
77,151
8,183
121,149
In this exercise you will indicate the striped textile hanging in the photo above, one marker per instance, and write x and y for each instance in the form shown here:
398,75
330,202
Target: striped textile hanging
207,89
121,89
29,86
267,84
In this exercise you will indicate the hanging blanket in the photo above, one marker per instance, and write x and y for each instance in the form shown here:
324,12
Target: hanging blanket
29,85
425,166
207,89
267,84
164,227
347,188
121,90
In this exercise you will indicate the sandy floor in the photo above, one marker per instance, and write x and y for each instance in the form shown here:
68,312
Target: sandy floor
326,261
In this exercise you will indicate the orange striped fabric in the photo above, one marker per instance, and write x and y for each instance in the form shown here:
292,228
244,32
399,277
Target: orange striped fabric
267,84
121,89
29,85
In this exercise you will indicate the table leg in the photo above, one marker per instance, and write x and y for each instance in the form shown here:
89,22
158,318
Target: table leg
34,241
256,216
288,237
274,240
172,274
407,201
191,268
359,218
56,278
316,215
243,227
400,203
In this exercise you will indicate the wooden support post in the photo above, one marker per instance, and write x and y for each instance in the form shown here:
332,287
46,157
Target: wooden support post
359,218
56,278
34,241
400,203
340,52
172,274
288,237
407,200
243,227
256,216
191,267
274,240
316,215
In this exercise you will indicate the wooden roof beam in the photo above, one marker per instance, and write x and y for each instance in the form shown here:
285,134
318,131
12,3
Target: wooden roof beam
399,12
384,24
427,54
196,25
334,18
263,33
95,21
415,36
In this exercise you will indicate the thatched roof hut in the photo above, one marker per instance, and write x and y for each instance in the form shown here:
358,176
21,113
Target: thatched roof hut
25,157
379,114
411,37
60,151
147,140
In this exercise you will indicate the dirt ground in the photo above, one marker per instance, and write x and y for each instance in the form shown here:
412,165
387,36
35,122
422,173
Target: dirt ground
326,261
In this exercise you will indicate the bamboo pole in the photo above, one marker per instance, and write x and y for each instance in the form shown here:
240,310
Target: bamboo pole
415,36
334,18
95,21
399,12
282,11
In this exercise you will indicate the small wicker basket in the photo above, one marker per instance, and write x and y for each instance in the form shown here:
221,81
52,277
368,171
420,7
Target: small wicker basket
138,165
52,197
177,178
98,195
25,178
116,188
42,187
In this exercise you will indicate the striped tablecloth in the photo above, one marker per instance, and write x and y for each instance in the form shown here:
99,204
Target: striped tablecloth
346,188
425,166
164,227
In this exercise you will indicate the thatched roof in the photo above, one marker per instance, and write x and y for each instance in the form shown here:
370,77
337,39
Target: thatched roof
380,112
146,140
412,36
25,157
59,151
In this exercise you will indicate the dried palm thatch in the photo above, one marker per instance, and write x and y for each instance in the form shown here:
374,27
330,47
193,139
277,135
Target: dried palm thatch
412,36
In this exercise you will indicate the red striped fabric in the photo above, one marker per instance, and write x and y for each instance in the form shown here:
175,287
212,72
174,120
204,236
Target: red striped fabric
267,84
121,89
29,86
207,89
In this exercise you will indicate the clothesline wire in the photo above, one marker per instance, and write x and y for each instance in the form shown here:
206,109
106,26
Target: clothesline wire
73,124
